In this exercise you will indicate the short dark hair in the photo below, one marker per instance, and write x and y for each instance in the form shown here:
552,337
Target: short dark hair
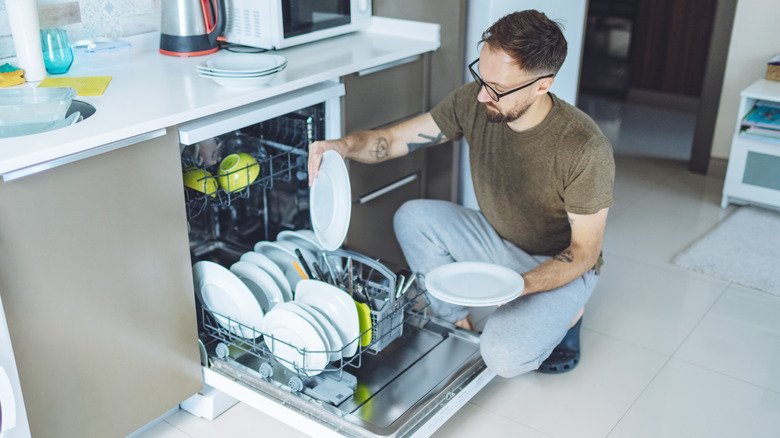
535,42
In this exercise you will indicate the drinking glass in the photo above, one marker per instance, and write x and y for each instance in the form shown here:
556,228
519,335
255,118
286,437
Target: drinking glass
57,54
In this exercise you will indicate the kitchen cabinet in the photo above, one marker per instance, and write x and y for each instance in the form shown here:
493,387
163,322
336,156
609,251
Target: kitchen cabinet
390,94
374,98
753,172
97,286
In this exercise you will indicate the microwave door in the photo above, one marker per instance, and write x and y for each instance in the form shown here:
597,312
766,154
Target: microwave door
305,17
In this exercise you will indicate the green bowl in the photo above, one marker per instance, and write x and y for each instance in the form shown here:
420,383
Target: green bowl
200,180
236,171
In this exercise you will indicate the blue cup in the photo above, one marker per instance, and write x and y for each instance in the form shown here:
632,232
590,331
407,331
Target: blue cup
57,54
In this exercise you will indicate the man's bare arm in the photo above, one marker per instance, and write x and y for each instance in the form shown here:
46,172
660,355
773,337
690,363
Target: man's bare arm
587,236
381,144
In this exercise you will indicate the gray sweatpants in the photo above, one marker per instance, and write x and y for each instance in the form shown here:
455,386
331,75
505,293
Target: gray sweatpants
519,335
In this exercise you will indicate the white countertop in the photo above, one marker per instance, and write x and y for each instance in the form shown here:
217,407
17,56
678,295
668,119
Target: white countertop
156,91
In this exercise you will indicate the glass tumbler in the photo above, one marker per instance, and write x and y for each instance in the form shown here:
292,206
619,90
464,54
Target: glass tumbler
57,54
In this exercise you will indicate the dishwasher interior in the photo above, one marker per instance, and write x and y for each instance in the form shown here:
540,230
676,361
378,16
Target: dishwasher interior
406,369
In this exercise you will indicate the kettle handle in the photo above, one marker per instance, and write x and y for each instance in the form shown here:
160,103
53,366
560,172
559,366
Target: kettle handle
214,18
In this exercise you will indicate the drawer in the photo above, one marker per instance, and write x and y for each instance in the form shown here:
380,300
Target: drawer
371,224
384,95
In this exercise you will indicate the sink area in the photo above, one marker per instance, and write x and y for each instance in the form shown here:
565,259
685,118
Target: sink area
86,109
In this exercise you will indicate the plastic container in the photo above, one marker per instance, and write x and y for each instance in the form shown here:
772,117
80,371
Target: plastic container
98,54
32,109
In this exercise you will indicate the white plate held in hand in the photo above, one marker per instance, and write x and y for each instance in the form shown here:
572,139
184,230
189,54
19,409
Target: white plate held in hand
474,284
330,201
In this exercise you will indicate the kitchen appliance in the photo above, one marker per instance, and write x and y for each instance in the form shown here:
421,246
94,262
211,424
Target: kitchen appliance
191,27
402,377
276,24
13,417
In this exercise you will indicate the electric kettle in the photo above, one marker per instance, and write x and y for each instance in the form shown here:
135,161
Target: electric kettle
191,27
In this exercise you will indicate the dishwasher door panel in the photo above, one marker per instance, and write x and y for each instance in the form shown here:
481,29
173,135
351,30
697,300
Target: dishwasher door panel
409,389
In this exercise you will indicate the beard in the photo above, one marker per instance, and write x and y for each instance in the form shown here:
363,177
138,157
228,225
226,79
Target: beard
494,115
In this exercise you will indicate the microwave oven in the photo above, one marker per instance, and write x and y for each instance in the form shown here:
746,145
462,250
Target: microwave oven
276,24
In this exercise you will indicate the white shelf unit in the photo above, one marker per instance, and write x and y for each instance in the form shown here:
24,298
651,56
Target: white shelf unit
753,172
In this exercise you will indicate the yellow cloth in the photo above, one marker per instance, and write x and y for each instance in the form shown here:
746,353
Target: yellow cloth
85,86
11,78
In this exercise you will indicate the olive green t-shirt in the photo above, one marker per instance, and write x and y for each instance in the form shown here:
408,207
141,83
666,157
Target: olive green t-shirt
526,182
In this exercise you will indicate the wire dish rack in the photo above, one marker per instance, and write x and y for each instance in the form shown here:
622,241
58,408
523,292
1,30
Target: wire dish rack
281,154
391,304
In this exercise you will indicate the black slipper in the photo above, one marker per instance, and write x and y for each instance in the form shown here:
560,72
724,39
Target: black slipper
566,355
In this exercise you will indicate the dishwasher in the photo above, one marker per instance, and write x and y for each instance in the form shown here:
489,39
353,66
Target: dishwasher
409,372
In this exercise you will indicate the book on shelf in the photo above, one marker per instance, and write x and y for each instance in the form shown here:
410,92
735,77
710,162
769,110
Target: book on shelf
763,116
762,132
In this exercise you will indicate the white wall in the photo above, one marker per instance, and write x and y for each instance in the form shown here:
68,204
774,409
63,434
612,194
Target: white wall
754,40
482,13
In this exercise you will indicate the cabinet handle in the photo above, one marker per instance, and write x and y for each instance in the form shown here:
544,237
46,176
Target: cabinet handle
37,168
388,188
389,65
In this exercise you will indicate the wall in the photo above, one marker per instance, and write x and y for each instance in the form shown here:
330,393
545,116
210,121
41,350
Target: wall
88,19
754,39
481,14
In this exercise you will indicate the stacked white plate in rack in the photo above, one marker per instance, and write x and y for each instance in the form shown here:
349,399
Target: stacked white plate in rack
242,70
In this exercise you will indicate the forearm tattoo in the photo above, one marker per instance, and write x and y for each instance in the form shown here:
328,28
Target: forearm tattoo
379,149
565,257
431,141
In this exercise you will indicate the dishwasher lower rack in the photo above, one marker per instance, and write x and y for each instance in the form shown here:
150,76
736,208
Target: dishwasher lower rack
334,383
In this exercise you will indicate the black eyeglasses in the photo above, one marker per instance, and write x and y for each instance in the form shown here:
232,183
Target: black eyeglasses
495,95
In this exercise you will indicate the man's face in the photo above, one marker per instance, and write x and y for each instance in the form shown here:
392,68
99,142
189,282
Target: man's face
499,71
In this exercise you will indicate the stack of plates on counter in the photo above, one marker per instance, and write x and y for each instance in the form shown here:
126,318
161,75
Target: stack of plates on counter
242,70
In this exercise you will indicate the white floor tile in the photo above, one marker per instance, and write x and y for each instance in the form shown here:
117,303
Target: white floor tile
585,402
239,421
472,421
648,306
739,337
643,235
687,401
163,430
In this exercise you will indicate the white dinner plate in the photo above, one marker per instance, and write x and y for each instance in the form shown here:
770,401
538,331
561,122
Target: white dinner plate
205,69
330,201
223,293
209,73
282,256
261,284
295,307
294,342
303,239
308,256
338,306
269,266
243,62
334,339
242,82
474,284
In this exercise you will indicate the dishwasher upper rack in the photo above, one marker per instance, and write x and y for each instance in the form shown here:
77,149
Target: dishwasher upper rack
385,323
281,163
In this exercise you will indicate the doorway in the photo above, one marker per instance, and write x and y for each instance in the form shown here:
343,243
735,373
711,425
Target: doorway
651,54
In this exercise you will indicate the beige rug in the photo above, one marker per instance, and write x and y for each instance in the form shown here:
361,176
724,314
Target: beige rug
743,249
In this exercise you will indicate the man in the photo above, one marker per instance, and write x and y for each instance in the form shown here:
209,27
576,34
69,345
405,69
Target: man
543,174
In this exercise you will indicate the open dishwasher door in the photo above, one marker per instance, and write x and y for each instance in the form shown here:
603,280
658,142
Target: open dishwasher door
409,389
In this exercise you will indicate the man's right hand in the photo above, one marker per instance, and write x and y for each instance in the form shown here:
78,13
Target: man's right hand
318,148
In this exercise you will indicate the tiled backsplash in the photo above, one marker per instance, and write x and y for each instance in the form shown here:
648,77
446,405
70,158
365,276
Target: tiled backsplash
88,19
